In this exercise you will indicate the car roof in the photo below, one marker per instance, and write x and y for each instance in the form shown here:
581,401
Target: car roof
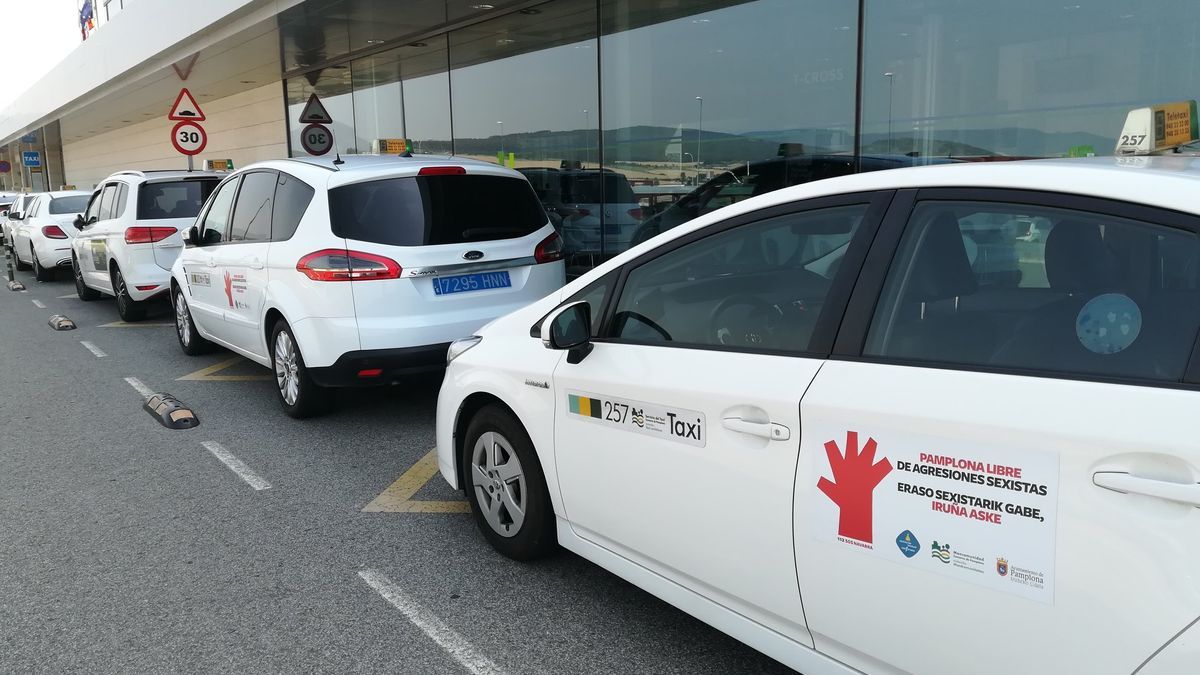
55,194
358,168
1168,182
161,174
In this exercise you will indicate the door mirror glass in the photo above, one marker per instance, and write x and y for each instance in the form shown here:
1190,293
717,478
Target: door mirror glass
209,237
192,236
14,215
78,222
568,328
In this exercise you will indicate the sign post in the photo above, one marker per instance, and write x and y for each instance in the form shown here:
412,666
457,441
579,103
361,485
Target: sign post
188,137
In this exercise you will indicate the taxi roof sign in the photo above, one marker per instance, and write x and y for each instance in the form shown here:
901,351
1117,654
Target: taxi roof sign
1159,128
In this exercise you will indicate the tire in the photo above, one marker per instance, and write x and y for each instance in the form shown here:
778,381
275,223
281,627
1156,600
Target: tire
21,267
494,439
190,340
129,309
40,273
81,289
298,394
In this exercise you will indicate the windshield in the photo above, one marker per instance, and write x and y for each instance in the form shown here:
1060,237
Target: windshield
173,199
72,204
585,188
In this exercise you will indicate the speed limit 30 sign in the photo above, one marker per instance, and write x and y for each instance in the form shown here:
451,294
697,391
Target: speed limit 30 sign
316,139
189,138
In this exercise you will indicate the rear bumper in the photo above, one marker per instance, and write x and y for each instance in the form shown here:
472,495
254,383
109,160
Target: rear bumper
394,364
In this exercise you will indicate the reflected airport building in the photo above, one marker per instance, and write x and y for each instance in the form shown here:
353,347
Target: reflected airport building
628,116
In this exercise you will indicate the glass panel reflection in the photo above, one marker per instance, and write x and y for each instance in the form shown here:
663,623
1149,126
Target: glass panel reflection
722,101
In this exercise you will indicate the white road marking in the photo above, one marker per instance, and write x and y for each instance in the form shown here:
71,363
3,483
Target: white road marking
39,304
437,630
93,349
235,465
63,297
142,389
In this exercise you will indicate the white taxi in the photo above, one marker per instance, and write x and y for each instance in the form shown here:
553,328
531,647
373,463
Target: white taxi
871,424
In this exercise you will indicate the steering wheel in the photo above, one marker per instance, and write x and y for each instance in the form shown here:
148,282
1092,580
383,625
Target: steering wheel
745,321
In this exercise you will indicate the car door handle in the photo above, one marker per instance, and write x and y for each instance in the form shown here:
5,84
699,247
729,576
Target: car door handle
210,262
768,430
255,264
1183,493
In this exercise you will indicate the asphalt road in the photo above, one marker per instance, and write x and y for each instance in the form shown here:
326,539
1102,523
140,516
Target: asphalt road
129,547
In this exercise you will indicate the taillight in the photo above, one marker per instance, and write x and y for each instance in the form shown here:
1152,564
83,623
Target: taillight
339,264
442,171
636,213
549,250
53,232
147,235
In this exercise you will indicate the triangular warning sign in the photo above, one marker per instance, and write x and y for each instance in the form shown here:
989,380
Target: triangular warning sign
186,108
314,112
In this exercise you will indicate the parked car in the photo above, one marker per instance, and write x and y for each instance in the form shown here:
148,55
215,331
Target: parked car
577,198
15,216
756,178
362,271
129,236
43,237
809,420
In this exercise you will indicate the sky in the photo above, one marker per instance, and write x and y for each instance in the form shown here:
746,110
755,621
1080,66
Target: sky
49,29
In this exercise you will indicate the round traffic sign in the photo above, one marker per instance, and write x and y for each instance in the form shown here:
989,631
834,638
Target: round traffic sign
5,167
316,139
189,138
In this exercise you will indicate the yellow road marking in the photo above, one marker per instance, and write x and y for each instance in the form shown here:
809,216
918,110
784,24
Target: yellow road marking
122,324
207,374
397,498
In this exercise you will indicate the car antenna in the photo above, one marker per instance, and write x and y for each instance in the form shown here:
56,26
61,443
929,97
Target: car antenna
338,161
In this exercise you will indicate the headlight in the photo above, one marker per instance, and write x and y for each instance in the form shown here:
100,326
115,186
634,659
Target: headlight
460,347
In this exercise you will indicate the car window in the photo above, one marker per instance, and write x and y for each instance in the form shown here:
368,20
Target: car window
756,286
107,201
93,209
122,199
32,210
215,227
252,213
292,197
424,210
71,204
173,199
1040,288
586,187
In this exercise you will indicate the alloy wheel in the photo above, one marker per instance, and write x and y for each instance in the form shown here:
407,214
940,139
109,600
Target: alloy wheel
286,366
182,323
499,483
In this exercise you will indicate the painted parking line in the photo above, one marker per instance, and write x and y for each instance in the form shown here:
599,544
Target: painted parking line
142,389
446,637
93,349
235,465
140,324
209,374
64,297
398,497
39,304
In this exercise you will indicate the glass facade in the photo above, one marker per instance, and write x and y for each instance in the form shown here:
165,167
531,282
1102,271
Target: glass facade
633,116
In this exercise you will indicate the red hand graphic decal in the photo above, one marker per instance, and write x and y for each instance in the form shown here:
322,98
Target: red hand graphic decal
229,288
855,476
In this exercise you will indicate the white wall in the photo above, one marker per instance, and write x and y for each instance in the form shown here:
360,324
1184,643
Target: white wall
246,127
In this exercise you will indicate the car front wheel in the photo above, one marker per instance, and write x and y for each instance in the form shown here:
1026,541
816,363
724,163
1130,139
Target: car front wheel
506,487
298,394
81,289
190,339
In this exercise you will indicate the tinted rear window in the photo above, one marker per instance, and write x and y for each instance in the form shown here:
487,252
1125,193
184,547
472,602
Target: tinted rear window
74,204
584,188
173,199
424,210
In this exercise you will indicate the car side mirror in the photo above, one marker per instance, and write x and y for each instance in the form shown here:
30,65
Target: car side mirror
14,215
192,237
569,328
79,223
